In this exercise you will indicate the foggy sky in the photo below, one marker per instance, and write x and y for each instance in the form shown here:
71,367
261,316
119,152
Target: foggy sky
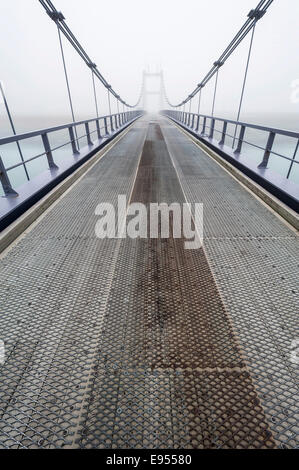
125,37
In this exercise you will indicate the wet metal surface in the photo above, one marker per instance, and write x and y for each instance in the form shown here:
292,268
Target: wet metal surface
254,257
136,343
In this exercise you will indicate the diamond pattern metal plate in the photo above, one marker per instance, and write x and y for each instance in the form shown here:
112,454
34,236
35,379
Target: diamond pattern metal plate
130,343
254,257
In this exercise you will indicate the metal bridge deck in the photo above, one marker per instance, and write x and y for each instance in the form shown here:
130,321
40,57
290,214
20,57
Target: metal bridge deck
140,343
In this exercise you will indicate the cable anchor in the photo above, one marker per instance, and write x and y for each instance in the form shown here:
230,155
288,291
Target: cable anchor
256,14
56,16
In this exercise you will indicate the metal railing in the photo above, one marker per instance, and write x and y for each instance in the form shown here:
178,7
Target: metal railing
205,127
106,126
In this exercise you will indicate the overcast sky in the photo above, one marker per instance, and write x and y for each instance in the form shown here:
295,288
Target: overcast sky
183,38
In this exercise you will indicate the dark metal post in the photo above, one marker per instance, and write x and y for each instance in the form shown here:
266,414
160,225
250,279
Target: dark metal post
48,150
73,140
7,188
111,124
98,129
212,129
106,127
222,141
267,153
197,125
204,126
189,117
88,134
240,141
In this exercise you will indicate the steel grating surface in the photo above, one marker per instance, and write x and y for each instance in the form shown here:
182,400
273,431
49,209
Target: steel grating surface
255,258
128,343
170,373
53,297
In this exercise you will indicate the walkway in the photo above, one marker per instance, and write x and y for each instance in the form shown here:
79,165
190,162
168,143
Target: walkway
140,343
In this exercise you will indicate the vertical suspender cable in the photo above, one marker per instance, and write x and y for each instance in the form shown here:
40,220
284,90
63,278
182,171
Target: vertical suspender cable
109,103
294,157
199,101
95,92
67,82
13,129
215,91
244,82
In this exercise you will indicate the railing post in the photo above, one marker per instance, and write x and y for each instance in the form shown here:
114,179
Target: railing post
197,125
240,141
192,124
267,153
222,141
98,129
73,140
47,147
204,126
115,122
111,124
7,188
106,127
212,129
292,162
89,142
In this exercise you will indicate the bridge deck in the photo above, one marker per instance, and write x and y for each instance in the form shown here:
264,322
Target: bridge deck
140,343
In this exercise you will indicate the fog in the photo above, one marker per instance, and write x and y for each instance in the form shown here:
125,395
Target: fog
126,37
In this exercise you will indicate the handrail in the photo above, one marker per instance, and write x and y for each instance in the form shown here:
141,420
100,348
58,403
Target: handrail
111,124
27,135
247,124
188,120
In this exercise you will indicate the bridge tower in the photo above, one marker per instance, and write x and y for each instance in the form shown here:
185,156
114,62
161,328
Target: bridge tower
147,93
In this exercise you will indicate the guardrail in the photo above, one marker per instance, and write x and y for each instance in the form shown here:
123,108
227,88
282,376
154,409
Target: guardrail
106,126
213,131
201,123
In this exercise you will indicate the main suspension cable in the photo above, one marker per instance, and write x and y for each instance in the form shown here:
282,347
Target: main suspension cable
59,19
253,17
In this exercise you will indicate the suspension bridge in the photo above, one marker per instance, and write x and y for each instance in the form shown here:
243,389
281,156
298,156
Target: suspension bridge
139,343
